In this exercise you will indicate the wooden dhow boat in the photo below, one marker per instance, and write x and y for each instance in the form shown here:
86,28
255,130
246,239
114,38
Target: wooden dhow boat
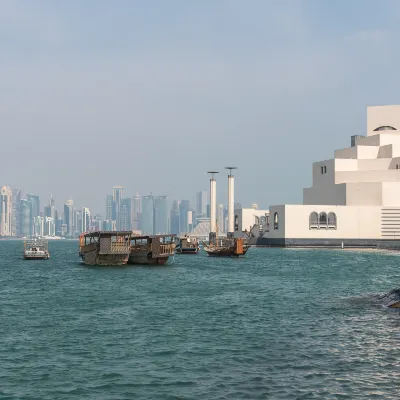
105,247
151,249
226,247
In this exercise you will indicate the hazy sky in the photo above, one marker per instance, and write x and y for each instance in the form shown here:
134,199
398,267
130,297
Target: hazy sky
153,94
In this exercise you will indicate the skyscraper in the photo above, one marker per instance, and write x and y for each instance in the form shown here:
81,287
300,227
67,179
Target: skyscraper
136,210
6,209
118,194
16,213
125,222
85,220
35,204
147,215
174,218
184,207
68,217
77,222
49,226
38,226
109,207
160,215
201,203
26,224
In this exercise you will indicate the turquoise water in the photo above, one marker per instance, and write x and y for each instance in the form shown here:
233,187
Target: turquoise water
278,324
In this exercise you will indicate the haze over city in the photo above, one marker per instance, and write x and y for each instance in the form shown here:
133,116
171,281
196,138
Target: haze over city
152,95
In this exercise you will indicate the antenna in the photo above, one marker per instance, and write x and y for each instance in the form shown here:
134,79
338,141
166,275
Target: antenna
230,169
212,173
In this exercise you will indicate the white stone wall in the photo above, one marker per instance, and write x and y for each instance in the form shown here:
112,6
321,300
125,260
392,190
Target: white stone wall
351,222
246,218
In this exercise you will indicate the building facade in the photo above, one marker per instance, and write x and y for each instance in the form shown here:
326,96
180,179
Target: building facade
201,203
354,197
69,217
6,211
160,215
147,215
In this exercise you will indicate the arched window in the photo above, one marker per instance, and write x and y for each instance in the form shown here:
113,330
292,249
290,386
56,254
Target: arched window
322,220
276,221
322,169
236,222
314,220
332,220
385,128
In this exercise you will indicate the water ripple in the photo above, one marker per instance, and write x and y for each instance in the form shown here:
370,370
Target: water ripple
279,324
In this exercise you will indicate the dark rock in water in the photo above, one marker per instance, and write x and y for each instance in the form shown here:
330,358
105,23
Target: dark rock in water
391,299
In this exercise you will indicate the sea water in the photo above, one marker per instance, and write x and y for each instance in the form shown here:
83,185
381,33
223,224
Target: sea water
277,324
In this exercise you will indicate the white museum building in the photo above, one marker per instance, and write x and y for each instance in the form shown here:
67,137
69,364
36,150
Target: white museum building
354,197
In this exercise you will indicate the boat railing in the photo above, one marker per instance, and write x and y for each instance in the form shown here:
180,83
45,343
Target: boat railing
165,249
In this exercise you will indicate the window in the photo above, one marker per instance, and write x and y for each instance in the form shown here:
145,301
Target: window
397,166
332,220
324,169
322,220
314,220
385,128
276,221
236,223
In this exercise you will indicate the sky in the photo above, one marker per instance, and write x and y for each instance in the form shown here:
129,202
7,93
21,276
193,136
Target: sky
152,94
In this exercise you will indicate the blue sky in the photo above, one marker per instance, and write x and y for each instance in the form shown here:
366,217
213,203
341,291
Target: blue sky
152,94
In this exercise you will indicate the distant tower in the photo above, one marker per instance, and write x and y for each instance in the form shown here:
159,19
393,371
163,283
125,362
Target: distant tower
213,205
118,194
69,217
5,211
231,200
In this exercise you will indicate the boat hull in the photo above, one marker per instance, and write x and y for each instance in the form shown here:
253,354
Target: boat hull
225,252
41,257
92,258
187,251
144,258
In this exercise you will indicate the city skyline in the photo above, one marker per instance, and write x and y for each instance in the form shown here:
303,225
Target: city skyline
159,84
26,214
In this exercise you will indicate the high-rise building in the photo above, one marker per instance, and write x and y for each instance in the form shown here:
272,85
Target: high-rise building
38,226
49,226
85,222
68,217
109,207
97,223
108,225
77,222
59,226
136,210
125,217
118,194
147,215
26,225
160,215
190,219
35,204
174,218
201,203
184,207
16,213
6,209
